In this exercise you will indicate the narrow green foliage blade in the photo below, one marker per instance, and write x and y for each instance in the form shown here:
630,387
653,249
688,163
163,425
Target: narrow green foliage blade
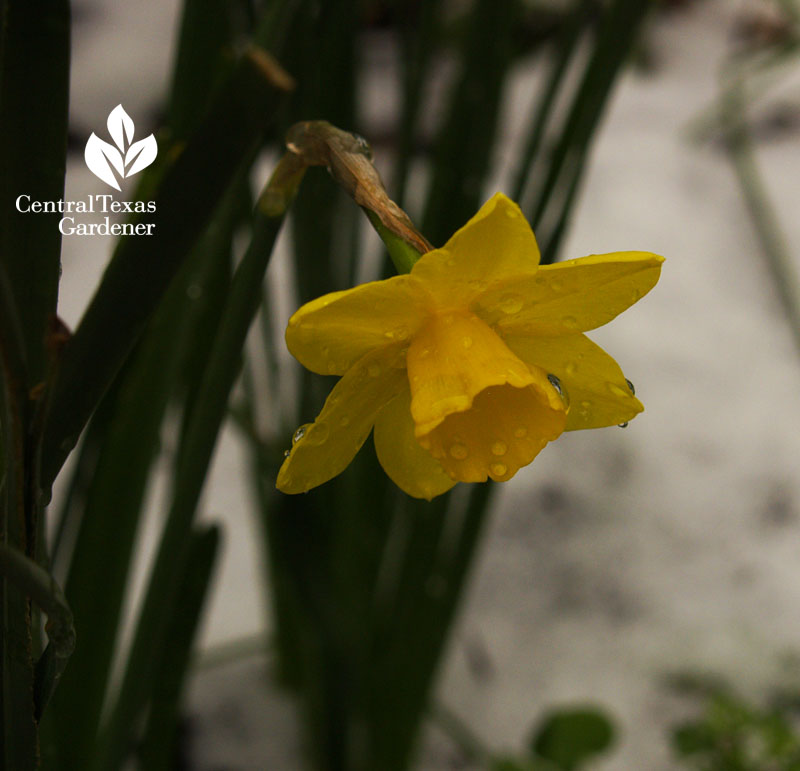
464,144
34,90
191,471
160,735
143,267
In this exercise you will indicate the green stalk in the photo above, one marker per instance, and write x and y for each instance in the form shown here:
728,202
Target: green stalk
191,471
739,144
142,268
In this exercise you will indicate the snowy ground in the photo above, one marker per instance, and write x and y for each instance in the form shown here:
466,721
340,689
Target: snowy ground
618,556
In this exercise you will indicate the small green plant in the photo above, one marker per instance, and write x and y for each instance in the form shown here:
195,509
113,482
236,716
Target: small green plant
732,733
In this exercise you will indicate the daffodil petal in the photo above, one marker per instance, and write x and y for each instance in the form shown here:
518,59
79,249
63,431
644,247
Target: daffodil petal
408,465
329,444
495,243
451,360
503,430
597,390
572,296
329,334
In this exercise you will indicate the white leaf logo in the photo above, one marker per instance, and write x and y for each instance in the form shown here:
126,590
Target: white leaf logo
127,158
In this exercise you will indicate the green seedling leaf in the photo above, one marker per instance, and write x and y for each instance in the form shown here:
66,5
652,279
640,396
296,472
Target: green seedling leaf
571,737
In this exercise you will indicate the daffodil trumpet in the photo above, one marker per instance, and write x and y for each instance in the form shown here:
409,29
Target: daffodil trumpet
467,366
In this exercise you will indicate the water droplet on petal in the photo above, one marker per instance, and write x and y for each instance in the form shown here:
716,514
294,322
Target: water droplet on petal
557,284
630,385
617,390
498,469
556,383
459,451
570,322
572,367
466,342
287,453
194,291
623,425
585,410
424,352
344,421
560,390
520,432
300,433
451,263
499,448
511,303
511,213
373,370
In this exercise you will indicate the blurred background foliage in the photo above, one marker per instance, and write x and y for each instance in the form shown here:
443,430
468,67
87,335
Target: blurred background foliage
364,581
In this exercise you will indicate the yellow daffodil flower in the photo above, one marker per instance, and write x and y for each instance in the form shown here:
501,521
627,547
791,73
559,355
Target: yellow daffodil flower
470,364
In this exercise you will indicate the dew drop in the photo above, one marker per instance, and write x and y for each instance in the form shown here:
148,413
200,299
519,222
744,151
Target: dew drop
585,410
623,425
570,322
520,432
362,146
424,352
630,385
318,433
466,342
617,390
287,453
511,303
373,370
556,383
557,284
300,433
451,263
194,291
572,368
344,421
459,451
511,214
498,469
499,448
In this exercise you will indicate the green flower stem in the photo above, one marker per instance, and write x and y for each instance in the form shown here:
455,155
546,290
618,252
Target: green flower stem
402,253
348,158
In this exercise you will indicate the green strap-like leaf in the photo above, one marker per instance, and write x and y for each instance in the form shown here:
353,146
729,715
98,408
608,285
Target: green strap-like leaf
143,266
